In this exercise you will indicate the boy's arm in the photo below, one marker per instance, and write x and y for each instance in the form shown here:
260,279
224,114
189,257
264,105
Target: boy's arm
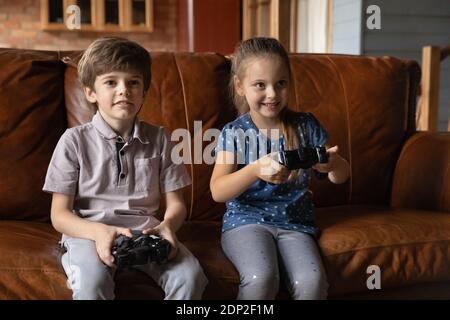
173,219
65,221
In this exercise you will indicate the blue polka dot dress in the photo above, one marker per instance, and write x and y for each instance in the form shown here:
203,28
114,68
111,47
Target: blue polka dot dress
288,205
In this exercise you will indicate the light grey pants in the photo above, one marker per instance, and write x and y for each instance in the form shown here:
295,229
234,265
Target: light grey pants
182,278
255,250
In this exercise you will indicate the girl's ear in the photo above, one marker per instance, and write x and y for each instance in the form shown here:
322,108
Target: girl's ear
238,86
90,94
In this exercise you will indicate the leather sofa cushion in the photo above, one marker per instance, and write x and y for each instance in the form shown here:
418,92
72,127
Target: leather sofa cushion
32,118
409,246
30,262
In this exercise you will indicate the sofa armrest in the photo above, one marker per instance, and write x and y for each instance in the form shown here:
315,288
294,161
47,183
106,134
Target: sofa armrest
422,175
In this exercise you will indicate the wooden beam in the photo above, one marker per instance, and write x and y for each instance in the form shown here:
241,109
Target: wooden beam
429,105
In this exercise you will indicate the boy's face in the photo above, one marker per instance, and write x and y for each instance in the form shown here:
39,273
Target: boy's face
118,95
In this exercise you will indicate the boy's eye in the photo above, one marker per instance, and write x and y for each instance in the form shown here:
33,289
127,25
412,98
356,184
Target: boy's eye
109,82
134,82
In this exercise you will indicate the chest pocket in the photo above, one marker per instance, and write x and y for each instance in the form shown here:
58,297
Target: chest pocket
146,173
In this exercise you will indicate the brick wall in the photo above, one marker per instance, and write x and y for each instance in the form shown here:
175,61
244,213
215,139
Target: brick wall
20,28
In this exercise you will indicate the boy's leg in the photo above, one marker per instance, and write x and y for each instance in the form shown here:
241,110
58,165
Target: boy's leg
253,252
88,277
182,278
303,265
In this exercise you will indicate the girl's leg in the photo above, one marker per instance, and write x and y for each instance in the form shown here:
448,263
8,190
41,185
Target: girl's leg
88,277
181,278
252,250
303,265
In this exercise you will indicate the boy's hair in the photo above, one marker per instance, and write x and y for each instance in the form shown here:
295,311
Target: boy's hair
109,54
261,47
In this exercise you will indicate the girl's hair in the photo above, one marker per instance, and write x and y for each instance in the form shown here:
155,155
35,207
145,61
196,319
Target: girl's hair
261,47
109,54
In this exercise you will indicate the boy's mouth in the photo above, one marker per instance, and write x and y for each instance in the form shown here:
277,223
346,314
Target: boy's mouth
123,103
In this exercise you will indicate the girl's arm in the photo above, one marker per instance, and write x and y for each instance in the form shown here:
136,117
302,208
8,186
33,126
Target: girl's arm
227,183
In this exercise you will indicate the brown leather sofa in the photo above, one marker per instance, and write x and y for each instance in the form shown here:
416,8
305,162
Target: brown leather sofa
393,212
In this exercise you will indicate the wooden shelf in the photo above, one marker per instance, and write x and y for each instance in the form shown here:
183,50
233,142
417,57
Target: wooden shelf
128,16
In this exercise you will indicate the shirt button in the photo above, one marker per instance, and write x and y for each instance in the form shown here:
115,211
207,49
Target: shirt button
122,175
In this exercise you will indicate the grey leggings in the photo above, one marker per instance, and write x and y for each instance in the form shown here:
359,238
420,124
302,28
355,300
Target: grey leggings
255,249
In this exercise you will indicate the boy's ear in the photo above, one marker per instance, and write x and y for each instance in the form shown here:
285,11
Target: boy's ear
238,86
90,94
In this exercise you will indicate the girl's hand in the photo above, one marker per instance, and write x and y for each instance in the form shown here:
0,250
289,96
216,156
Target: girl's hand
338,168
164,231
270,170
104,240
333,159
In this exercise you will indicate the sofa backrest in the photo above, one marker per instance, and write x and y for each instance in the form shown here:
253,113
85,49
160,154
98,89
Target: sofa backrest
365,103
32,118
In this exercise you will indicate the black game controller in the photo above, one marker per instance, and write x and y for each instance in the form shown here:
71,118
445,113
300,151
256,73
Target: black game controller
303,158
139,250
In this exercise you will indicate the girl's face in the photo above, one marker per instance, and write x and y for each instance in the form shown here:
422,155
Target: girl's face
265,85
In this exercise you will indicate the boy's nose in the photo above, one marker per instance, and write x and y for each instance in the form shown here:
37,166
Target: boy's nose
124,91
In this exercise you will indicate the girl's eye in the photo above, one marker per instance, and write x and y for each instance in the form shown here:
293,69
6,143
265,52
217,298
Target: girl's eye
134,82
259,85
282,83
109,82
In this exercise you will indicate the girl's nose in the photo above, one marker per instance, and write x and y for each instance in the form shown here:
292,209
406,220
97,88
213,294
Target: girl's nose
270,92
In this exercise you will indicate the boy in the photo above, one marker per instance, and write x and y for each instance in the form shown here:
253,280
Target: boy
107,177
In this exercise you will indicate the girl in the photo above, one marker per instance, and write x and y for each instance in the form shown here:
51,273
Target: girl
269,215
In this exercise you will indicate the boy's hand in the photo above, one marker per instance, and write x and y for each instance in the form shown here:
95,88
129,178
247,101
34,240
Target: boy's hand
164,231
270,170
333,159
104,240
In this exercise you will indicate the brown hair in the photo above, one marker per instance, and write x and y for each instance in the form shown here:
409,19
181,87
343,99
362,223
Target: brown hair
114,54
261,47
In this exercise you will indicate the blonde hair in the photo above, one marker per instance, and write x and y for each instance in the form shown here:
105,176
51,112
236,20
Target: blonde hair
261,47
114,54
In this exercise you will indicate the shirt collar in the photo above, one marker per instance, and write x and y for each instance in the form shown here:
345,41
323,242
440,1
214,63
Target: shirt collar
108,133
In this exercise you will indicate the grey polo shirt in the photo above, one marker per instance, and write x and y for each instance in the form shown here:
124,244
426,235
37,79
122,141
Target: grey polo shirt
113,181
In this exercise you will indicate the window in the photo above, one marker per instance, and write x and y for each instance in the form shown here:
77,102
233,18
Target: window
99,15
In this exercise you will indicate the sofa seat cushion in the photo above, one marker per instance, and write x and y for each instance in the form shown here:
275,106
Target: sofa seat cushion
410,246
202,238
29,262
